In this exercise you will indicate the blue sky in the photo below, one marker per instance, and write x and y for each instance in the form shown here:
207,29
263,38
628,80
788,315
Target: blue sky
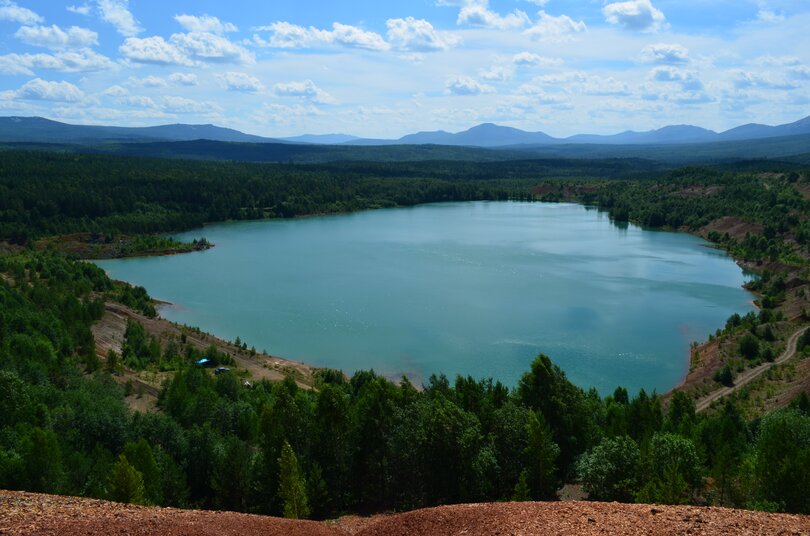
384,69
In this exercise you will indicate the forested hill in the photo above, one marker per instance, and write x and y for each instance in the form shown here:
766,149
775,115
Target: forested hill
277,153
48,193
788,148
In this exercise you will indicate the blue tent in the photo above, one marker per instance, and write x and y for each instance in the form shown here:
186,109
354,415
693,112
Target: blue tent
204,361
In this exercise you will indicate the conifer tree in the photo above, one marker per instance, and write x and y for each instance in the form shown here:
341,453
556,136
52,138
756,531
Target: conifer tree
292,486
522,491
541,458
126,483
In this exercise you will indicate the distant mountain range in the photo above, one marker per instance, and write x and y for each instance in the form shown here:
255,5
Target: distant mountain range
491,135
40,130
668,146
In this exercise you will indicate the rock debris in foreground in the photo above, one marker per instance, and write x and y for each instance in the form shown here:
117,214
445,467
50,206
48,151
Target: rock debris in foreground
33,514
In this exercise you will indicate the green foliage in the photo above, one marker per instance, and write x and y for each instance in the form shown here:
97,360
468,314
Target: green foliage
673,470
783,460
801,404
47,194
694,197
231,479
291,487
541,455
749,346
725,376
681,417
723,439
139,455
522,492
563,405
41,461
137,298
15,397
126,483
610,471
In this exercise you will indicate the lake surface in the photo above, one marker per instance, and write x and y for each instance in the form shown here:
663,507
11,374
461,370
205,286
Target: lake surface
460,288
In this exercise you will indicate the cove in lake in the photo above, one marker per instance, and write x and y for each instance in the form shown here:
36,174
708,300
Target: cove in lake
456,288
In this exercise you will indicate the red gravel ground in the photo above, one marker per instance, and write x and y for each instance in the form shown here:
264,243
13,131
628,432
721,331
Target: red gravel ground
32,514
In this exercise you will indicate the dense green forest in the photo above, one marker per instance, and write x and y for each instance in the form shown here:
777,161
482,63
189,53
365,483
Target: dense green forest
52,193
216,443
694,197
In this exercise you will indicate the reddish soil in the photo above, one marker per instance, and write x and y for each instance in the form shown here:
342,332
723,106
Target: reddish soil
32,514
698,191
735,227
585,519
804,189
752,374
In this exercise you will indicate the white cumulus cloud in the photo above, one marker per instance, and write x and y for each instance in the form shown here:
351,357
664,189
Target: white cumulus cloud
182,105
497,73
205,23
55,37
532,59
184,79
802,72
138,101
116,12
39,89
83,9
305,89
115,91
234,81
479,14
418,35
549,27
638,15
185,49
354,37
665,53
771,17
154,50
687,79
12,12
464,85
210,47
147,81
74,61
763,80
580,82
287,35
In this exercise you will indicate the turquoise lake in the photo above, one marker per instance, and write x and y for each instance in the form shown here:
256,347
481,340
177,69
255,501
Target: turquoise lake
456,288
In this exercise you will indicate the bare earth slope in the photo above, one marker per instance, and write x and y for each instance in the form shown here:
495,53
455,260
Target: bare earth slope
32,514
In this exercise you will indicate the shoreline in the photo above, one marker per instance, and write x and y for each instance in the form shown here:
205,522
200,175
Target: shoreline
699,233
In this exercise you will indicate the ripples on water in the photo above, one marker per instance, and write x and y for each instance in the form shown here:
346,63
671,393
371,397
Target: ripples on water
459,288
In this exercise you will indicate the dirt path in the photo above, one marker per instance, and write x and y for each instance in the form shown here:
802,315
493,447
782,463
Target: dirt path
109,335
751,374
